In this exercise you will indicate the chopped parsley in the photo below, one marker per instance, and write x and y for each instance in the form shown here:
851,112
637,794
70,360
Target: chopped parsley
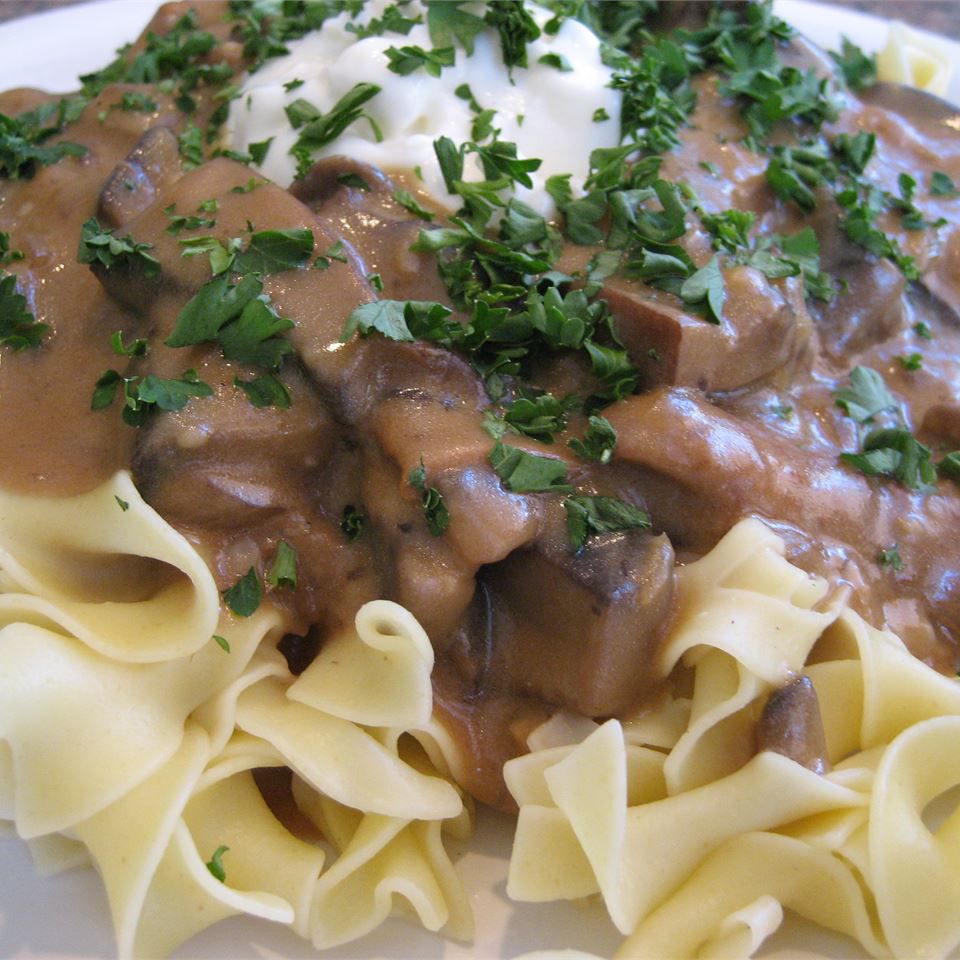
407,60
99,246
215,863
141,396
24,146
516,27
890,557
318,129
19,329
274,251
221,642
895,452
352,523
283,571
858,69
434,509
522,472
136,348
588,516
265,391
239,317
598,442
244,597
866,396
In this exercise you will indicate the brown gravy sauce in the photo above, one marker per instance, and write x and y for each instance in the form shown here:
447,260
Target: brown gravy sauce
703,444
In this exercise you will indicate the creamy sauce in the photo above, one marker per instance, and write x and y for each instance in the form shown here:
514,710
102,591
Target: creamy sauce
411,111
521,625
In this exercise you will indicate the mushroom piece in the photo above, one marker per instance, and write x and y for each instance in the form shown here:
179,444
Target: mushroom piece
791,725
582,629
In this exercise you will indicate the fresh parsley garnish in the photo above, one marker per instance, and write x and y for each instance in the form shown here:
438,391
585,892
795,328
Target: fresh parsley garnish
239,317
23,139
244,597
859,70
895,452
523,472
448,23
19,329
890,557
866,396
274,251
215,863
406,60
141,396
598,442
283,571
516,27
591,515
136,348
265,391
434,509
318,129
352,522
99,246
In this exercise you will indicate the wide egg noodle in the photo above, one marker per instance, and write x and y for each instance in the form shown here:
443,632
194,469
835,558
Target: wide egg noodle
341,759
377,674
709,871
915,58
737,879
106,569
134,748
914,869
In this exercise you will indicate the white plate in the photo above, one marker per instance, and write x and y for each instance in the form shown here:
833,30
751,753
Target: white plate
67,916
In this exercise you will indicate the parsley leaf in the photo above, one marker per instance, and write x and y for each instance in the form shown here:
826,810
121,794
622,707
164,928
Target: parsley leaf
537,415
265,391
137,348
866,396
406,60
319,129
859,70
352,522
244,597
238,317
140,397
409,202
598,442
890,557
590,515
706,287
895,452
274,251
434,509
215,863
512,20
101,246
447,23
524,472
22,140
283,570
18,327
404,320
942,185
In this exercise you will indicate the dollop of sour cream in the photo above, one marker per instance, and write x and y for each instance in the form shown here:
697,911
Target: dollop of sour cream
556,115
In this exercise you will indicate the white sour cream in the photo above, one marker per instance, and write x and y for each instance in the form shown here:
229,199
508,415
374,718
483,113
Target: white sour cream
548,113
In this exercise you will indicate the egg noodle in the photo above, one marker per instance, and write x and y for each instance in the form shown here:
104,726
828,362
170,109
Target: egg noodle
134,710
138,757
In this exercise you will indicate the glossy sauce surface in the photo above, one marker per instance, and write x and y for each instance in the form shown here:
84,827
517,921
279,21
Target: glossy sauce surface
521,624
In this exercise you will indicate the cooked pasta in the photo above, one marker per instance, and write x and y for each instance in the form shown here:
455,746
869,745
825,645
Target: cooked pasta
616,488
